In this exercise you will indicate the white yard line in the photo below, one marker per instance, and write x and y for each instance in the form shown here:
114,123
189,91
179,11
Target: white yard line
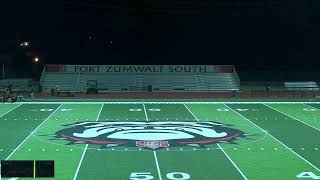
274,138
154,152
157,164
80,162
293,117
191,112
32,133
244,177
145,112
10,110
85,150
173,102
311,106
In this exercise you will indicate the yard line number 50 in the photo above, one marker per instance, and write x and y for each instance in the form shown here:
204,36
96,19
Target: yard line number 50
149,176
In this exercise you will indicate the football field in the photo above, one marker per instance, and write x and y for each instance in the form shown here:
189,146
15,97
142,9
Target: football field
166,140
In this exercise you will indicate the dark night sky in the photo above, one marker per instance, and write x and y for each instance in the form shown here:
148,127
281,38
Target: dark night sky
240,32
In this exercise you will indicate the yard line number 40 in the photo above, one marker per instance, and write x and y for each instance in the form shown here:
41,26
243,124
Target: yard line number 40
149,176
185,176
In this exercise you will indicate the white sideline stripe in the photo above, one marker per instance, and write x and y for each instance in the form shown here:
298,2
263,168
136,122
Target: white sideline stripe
275,139
173,102
85,150
32,132
154,152
292,117
232,162
10,110
244,177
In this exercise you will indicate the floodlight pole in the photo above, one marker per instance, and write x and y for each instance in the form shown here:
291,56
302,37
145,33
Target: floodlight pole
3,71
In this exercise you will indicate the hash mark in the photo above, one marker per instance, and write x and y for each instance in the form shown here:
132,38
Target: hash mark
262,149
276,149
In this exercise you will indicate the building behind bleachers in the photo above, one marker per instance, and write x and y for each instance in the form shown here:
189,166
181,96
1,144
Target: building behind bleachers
140,78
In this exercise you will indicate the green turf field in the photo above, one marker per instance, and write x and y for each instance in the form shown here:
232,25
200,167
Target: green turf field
166,140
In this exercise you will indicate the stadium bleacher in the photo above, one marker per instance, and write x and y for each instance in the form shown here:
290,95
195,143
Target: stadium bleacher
17,85
76,78
302,86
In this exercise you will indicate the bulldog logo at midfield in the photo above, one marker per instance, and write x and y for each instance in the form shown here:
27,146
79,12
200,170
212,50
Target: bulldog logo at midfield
150,135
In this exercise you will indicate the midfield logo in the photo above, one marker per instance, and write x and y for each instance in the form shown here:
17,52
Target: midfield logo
151,135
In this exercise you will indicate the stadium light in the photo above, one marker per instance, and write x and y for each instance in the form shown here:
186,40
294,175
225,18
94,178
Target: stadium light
24,44
36,59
